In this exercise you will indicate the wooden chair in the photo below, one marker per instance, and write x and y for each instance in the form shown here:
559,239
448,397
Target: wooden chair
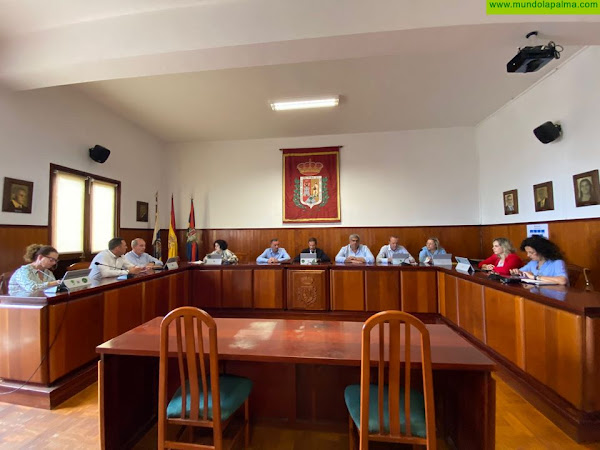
367,402
226,393
4,279
574,271
79,265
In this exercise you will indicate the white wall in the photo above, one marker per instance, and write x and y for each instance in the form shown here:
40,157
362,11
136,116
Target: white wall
426,177
511,157
58,125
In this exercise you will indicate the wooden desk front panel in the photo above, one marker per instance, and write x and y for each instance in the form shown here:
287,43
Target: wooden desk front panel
382,290
80,327
307,289
122,310
268,288
237,289
179,290
471,308
155,298
449,297
554,349
504,325
591,399
207,288
347,290
419,291
24,333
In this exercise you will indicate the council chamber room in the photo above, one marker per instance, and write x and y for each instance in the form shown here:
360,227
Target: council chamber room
299,225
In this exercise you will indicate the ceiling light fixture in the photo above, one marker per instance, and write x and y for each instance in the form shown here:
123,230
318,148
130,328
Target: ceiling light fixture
325,102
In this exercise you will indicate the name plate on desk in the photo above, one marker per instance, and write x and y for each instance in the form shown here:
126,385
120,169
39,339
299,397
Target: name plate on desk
172,263
214,261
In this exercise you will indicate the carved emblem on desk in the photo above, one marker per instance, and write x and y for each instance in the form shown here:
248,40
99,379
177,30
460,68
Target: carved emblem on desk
306,293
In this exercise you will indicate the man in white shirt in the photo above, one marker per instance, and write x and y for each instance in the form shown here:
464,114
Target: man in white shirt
138,257
387,251
110,263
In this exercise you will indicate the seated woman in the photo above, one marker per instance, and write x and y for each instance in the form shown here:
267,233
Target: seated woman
35,275
221,249
546,263
504,258
432,248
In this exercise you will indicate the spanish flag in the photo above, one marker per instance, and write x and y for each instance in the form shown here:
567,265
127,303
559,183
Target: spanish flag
172,236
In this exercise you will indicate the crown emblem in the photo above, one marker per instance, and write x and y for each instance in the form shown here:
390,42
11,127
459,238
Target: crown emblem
310,167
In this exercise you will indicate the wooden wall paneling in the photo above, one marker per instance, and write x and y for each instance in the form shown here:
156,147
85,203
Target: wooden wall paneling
14,239
78,326
451,298
155,298
27,326
591,402
503,324
554,349
122,310
471,308
347,290
582,251
382,290
179,290
419,291
237,289
207,288
441,293
307,289
268,288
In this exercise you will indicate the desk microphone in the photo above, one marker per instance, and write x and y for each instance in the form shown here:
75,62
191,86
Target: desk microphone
120,277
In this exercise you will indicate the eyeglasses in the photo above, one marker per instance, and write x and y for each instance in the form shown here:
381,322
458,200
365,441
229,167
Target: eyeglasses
54,260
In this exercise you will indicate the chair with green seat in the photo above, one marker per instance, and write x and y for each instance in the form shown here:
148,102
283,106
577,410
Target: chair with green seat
194,338
387,397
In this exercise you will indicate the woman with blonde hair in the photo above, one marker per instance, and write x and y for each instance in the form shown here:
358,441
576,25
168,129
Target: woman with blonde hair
504,258
36,275
432,248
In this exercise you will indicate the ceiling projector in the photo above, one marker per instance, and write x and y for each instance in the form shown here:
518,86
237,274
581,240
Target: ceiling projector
530,59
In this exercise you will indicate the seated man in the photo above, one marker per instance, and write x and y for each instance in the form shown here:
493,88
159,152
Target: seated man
355,253
312,248
138,257
110,263
274,254
387,251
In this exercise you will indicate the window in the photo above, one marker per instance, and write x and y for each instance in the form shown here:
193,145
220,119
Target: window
84,211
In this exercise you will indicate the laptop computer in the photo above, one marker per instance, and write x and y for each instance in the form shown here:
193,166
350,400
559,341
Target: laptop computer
308,258
400,258
464,265
442,260
72,280
214,259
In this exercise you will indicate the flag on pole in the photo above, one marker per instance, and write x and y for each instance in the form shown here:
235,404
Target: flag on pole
192,239
172,236
156,242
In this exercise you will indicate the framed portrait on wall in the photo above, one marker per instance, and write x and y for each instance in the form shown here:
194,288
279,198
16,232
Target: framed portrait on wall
511,202
17,196
141,212
543,195
586,188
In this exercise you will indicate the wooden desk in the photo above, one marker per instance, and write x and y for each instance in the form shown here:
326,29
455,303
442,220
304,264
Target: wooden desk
300,369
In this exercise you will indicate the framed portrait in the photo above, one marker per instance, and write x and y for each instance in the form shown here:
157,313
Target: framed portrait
17,196
586,188
543,196
511,202
141,212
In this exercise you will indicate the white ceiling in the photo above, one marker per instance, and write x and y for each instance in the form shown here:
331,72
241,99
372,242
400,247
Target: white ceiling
206,70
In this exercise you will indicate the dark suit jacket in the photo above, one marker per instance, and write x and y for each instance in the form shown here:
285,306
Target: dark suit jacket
321,255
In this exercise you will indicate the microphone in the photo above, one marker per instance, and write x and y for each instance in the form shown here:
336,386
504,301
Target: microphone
120,277
43,273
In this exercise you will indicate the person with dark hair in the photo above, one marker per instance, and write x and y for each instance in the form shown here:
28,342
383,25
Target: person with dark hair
222,250
312,248
504,258
274,254
546,263
110,263
36,274
354,252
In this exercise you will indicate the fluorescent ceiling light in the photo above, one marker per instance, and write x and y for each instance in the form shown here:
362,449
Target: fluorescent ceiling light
325,102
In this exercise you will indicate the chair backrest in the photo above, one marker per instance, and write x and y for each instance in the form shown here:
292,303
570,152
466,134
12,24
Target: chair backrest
574,271
189,338
4,279
79,265
394,320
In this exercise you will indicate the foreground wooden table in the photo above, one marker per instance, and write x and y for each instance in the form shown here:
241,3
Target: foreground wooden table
300,369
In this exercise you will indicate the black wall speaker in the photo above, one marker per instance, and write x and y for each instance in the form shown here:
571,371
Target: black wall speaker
548,132
99,153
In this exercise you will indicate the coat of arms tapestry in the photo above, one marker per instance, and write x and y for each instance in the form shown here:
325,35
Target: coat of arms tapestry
311,184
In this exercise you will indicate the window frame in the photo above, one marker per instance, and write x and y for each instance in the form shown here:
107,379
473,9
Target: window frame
87,213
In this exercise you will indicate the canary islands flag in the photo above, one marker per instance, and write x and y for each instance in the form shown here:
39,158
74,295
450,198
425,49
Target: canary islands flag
172,236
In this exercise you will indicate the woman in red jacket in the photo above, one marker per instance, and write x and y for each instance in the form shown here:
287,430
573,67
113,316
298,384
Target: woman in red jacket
503,259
